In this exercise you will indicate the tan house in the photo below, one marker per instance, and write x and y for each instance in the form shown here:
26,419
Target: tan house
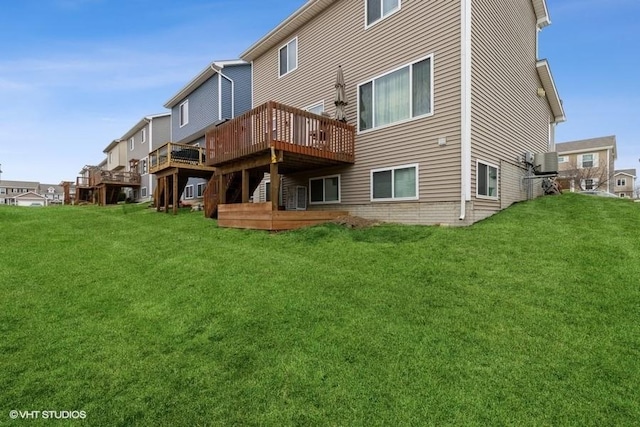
444,99
625,183
587,164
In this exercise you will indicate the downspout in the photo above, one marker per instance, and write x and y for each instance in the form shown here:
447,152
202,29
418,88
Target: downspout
465,134
233,95
149,176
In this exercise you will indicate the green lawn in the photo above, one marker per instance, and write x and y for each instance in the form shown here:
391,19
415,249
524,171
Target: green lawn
531,317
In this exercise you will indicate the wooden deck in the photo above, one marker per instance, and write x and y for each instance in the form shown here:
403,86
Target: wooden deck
296,139
260,216
179,156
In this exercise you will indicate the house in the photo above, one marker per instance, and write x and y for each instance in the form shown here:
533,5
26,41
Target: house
10,189
121,172
625,183
30,198
54,193
587,164
150,133
220,92
444,102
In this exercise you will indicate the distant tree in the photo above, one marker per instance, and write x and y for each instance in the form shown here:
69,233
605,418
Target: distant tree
583,177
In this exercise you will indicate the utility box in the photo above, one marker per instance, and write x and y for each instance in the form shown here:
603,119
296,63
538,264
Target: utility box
546,163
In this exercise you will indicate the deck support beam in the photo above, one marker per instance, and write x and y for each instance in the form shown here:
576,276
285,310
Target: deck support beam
245,186
275,186
222,190
176,196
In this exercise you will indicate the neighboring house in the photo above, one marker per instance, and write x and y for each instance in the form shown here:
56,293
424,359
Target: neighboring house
54,193
625,183
150,133
587,164
218,93
10,189
30,198
444,100
120,174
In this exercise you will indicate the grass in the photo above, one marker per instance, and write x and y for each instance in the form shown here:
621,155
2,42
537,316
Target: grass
138,318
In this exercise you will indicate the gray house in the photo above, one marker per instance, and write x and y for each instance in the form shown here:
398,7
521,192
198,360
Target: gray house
220,92
150,133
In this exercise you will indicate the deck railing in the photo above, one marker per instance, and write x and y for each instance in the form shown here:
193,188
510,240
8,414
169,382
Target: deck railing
116,178
172,154
274,125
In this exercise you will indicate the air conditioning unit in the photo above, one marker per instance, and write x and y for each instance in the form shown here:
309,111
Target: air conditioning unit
528,157
546,163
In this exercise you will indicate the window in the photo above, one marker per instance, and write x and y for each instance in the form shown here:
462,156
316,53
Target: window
288,57
131,144
486,181
589,184
376,10
622,195
188,192
3,190
143,192
143,137
403,94
143,167
587,160
562,159
621,182
184,113
200,190
51,190
324,190
397,183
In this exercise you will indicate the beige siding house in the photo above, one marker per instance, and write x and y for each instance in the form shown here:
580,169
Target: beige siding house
587,164
445,98
625,183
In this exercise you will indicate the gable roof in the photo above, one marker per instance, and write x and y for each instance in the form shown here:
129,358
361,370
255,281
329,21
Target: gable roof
551,93
312,8
141,124
206,74
19,184
601,143
297,19
629,172
32,194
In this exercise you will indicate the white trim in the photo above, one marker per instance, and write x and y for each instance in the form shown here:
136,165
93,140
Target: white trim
143,136
219,97
382,17
497,168
198,186
185,104
393,169
431,58
287,46
324,196
132,143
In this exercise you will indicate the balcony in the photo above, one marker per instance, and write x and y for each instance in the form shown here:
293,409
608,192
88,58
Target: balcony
180,156
296,139
115,178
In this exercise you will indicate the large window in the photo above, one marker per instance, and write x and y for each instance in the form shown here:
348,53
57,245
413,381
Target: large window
621,182
377,10
132,144
486,181
143,136
288,57
397,183
184,113
143,167
143,192
324,189
399,95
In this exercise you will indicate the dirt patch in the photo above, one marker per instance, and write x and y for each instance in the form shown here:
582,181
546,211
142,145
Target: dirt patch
355,222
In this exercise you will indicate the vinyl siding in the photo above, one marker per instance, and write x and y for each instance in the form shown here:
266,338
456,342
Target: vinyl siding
419,29
508,117
161,132
203,110
241,76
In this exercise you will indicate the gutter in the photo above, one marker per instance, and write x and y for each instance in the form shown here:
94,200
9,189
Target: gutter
465,134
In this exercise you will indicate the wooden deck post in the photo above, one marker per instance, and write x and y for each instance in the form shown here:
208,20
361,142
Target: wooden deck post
166,193
176,196
245,186
222,190
275,186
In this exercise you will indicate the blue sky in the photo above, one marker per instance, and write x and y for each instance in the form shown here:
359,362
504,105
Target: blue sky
77,74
